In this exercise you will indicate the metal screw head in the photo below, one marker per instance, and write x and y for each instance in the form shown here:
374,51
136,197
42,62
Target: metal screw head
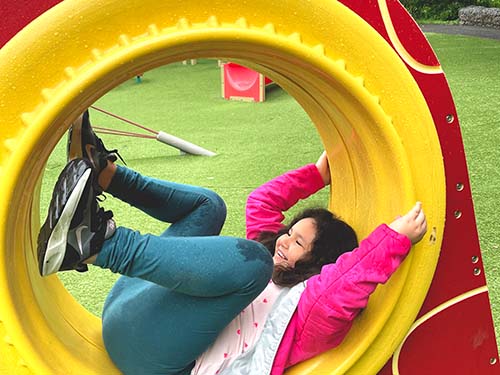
450,118
460,186
477,271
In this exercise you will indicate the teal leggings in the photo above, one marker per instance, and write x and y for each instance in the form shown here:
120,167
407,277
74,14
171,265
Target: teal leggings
180,289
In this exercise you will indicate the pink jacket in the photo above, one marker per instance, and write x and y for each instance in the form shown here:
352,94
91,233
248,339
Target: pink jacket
332,299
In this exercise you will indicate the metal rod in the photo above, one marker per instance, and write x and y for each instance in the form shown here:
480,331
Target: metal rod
171,140
124,120
121,132
183,145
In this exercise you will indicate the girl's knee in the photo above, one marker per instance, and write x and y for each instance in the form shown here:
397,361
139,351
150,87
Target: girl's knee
214,204
258,262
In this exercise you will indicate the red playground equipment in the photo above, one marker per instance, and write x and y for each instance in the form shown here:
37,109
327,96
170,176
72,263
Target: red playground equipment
241,83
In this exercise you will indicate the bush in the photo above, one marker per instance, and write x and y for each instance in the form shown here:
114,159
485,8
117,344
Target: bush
445,10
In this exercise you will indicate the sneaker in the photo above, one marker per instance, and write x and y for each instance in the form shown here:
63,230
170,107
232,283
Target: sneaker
76,226
84,143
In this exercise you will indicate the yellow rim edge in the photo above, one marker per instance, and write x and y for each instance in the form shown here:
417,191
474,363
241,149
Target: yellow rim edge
308,61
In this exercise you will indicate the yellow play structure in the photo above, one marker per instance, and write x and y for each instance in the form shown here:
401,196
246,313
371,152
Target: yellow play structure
341,71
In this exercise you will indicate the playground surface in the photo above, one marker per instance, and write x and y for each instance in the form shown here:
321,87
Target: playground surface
476,31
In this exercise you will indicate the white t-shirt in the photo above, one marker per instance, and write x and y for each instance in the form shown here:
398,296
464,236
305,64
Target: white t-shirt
239,336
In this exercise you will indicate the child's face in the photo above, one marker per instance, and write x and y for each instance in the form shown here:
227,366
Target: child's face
292,246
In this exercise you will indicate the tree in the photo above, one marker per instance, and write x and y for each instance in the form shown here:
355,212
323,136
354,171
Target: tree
445,10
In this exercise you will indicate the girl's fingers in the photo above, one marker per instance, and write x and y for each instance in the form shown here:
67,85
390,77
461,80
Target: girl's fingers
417,209
420,217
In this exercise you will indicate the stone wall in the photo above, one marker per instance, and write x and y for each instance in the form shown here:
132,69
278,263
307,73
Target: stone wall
479,16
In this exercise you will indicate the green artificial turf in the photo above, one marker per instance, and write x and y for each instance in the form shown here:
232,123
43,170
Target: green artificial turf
257,141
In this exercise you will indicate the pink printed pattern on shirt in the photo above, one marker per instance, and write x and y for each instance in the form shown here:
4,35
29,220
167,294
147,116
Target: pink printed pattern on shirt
239,336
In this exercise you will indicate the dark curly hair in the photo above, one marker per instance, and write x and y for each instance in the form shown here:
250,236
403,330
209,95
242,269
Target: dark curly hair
333,238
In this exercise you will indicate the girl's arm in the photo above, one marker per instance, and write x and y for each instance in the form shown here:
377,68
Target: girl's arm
266,204
335,297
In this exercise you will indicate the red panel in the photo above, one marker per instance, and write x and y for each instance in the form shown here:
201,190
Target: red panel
410,35
241,82
370,12
15,14
406,28
459,344
455,271
443,345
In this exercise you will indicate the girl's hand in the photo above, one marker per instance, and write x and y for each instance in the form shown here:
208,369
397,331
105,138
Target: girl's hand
324,168
413,225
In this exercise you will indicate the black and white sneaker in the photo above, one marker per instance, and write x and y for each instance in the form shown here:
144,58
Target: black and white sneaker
84,143
76,226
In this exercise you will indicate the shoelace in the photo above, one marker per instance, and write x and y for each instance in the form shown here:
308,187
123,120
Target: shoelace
105,215
110,152
109,155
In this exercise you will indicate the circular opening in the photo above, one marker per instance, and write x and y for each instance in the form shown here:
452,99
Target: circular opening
186,101
339,134
338,131
450,119
460,186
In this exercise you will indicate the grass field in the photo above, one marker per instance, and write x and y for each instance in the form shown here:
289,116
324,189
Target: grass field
185,101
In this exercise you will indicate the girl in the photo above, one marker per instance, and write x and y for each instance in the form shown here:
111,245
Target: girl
193,302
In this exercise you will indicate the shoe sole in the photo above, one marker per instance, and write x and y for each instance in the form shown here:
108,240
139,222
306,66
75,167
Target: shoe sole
75,140
55,250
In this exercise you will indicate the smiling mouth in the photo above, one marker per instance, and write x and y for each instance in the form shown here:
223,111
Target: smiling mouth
281,255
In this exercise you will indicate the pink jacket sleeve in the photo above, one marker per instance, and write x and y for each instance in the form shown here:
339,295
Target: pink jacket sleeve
266,204
335,297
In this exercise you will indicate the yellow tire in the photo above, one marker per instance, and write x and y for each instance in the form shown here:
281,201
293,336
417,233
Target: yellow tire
368,110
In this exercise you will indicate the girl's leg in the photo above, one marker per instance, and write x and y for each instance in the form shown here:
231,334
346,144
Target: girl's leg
180,293
192,210
197,266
